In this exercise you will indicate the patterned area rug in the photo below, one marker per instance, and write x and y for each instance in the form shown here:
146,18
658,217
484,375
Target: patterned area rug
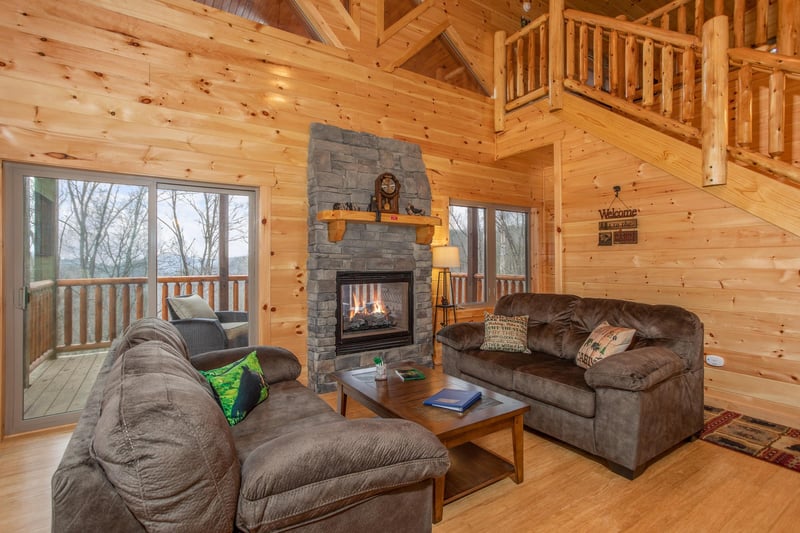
771,442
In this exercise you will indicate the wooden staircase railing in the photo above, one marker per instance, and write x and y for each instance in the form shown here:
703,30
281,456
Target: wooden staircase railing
648,68
638,69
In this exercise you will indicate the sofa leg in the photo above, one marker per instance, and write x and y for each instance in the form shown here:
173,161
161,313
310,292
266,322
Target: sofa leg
625,472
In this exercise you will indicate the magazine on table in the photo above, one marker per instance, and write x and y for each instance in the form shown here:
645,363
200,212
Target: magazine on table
453,399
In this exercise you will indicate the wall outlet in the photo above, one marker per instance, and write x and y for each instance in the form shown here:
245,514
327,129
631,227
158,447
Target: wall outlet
715,360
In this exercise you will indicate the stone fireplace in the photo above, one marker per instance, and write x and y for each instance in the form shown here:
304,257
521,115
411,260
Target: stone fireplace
351,282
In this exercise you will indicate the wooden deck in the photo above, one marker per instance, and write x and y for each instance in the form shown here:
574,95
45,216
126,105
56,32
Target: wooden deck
61,385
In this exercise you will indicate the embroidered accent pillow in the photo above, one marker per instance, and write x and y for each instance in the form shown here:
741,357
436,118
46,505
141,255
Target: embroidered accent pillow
239,387
505,333
606,340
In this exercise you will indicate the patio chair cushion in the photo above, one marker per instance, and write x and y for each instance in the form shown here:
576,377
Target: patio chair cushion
192,306
164,444
235,332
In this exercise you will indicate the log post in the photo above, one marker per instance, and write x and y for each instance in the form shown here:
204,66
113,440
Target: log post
777,114
597,51
499,80
556,54
788,22
762,7
738,23
744,107
715,101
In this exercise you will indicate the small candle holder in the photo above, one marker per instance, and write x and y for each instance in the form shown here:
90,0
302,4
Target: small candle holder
380,369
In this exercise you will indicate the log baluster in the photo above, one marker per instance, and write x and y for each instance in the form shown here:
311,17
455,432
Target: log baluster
744,107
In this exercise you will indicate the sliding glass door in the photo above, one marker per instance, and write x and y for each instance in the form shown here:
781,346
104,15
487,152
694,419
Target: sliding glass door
89,253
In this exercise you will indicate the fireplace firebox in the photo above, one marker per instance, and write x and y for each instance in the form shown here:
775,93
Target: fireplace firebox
374,310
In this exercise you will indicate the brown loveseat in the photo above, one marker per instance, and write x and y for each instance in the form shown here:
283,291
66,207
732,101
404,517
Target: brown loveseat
628,408
153,451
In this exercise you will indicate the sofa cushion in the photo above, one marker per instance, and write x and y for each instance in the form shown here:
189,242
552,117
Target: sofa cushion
557,382
239,387
491,366
548,318
668,326
291,406
604,341
332,467
164,444
505,333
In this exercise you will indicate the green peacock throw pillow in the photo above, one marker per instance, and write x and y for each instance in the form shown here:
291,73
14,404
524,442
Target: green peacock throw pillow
238,386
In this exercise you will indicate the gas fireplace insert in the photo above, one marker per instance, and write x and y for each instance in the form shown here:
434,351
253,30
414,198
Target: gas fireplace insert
374,310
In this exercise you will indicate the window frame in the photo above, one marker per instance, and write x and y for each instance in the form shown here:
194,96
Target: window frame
490,239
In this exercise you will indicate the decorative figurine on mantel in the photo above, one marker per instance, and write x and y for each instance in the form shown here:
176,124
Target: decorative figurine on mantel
411,210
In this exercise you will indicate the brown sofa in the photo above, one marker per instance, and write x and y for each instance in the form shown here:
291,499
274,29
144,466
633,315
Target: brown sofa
153,451
628,408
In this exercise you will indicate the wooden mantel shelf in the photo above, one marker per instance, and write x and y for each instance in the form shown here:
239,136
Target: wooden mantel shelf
337,220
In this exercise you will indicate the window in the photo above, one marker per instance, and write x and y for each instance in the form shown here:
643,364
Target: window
493,242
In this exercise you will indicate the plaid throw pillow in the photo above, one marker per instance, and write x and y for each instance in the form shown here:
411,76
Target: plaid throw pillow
505,333
604,341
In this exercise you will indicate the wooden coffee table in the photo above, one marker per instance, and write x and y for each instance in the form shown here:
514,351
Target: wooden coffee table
472,467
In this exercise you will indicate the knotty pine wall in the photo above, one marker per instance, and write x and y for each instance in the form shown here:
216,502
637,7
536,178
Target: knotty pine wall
159,88
740,274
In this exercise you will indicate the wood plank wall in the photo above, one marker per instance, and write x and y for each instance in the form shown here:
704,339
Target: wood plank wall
740,274
164,88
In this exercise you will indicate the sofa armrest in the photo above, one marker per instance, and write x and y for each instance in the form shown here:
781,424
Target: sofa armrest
314,472
278,364
462,336
635,370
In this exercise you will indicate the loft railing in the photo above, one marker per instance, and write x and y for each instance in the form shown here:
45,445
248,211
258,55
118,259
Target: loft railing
638,69
526,64
752,28
85,314
648,69
779,74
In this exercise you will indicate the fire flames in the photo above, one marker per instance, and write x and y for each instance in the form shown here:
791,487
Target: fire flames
365,314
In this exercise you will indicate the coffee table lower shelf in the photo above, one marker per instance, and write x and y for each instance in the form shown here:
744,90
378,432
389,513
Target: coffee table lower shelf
471,469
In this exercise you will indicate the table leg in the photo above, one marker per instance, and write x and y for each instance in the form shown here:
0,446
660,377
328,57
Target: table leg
516,438
341,400
438,499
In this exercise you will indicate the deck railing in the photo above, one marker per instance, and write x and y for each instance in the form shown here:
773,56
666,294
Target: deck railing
85,314
505,284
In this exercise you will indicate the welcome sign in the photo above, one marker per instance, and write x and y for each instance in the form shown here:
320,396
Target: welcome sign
618,226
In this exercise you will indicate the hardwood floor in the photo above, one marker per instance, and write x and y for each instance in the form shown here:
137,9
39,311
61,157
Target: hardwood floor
698,487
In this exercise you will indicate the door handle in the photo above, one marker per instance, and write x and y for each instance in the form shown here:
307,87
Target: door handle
23,297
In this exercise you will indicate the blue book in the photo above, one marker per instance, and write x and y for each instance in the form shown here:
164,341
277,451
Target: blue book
453,399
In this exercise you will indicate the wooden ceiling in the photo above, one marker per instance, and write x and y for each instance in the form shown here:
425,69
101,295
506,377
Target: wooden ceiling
440,59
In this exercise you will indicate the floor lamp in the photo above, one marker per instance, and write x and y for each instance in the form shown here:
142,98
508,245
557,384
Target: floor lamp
445,258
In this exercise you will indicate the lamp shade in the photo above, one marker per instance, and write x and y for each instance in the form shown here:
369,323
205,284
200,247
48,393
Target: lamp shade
445,257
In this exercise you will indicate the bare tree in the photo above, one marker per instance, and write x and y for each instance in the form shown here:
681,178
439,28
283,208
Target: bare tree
190,222
101,227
